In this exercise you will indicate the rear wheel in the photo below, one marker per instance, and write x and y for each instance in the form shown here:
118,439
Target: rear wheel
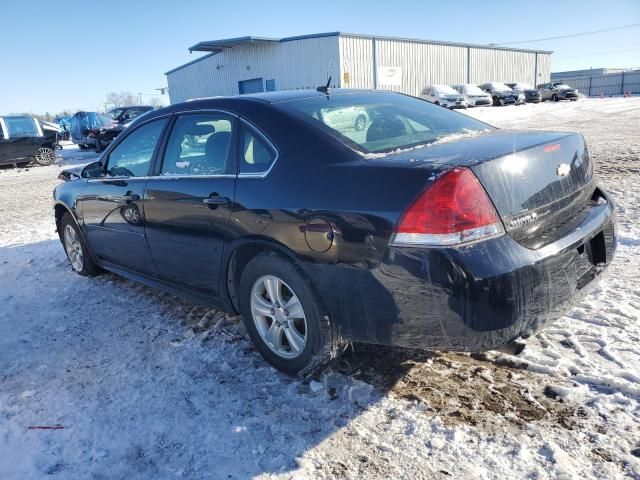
46,156
496,102
76,249
284,316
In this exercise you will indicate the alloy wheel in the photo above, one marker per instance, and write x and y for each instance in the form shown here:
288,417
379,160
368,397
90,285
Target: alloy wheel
73,247
279,317
46,156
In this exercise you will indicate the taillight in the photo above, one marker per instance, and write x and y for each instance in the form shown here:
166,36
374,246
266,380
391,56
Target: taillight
455,209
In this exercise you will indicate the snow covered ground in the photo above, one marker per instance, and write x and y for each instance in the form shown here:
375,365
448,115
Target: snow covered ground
140,384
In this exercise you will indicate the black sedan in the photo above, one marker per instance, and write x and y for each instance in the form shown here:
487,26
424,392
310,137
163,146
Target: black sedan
425,229
531,95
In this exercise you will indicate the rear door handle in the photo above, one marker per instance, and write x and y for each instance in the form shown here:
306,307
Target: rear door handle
215,199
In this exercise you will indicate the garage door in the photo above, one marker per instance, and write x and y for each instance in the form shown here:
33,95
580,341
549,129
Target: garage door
251,86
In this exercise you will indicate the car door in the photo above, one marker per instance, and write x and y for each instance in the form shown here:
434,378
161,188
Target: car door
547,91
112,205
189,199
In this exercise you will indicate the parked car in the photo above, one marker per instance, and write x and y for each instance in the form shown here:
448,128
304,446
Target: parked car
501,94
122,118
320,235
473,95
444,95
87,129
24,139
355,118
558,91
531,94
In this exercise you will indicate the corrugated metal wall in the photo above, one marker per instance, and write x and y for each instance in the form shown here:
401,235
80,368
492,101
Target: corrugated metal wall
355,60
489,65
609,84
307,63
294,64
424,64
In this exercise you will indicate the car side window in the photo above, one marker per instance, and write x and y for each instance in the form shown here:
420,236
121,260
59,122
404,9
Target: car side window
256,155
199,144
132,156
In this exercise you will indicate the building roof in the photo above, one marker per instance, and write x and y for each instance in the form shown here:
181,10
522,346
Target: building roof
217,46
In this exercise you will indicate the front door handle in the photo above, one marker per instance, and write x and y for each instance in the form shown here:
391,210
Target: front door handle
215,199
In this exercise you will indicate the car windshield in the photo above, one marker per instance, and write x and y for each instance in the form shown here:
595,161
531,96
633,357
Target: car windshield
500,87
444,90
392,121
115,113
21,127
473,90
561,85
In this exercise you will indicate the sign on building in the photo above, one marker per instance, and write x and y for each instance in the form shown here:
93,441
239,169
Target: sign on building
391,76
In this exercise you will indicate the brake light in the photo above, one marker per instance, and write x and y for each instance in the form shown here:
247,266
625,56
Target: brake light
455,209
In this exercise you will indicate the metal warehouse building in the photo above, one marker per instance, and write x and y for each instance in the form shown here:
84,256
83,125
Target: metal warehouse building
253,64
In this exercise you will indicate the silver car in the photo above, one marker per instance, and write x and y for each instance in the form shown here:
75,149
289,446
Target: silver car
444,95
473,95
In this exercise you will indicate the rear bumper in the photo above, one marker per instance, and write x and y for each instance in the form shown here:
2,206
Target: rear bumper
472,298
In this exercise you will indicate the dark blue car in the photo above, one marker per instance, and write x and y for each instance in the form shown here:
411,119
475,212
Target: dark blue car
425,228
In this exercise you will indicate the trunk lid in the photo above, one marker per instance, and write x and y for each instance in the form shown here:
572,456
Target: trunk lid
538,181
539,188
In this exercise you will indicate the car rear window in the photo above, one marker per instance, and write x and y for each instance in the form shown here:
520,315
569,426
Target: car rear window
391,121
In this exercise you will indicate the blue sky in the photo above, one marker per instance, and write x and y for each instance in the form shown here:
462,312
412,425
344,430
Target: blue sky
58,54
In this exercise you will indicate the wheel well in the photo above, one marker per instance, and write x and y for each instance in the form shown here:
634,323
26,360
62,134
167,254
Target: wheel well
240,257
60,210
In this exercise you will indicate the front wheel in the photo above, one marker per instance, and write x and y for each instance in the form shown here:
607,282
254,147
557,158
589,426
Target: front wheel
46,156
555,98
284,316
496,102
76,249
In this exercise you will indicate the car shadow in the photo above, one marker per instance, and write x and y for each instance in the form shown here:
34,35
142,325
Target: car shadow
140,383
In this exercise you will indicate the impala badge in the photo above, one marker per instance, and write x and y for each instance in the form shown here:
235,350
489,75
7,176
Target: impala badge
563,169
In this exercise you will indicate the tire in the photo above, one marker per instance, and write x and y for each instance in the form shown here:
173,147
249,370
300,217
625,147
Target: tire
309,327
496,102
555,98
74,245
46,156
361,123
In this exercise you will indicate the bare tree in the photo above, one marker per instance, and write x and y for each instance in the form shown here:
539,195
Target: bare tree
122,99
156,102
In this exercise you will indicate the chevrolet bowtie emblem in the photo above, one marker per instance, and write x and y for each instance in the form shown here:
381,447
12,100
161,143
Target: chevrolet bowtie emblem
563,169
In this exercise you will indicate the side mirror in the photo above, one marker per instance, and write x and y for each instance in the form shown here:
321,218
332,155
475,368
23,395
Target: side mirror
92,170
67,175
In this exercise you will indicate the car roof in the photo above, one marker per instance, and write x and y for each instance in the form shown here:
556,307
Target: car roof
284,95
